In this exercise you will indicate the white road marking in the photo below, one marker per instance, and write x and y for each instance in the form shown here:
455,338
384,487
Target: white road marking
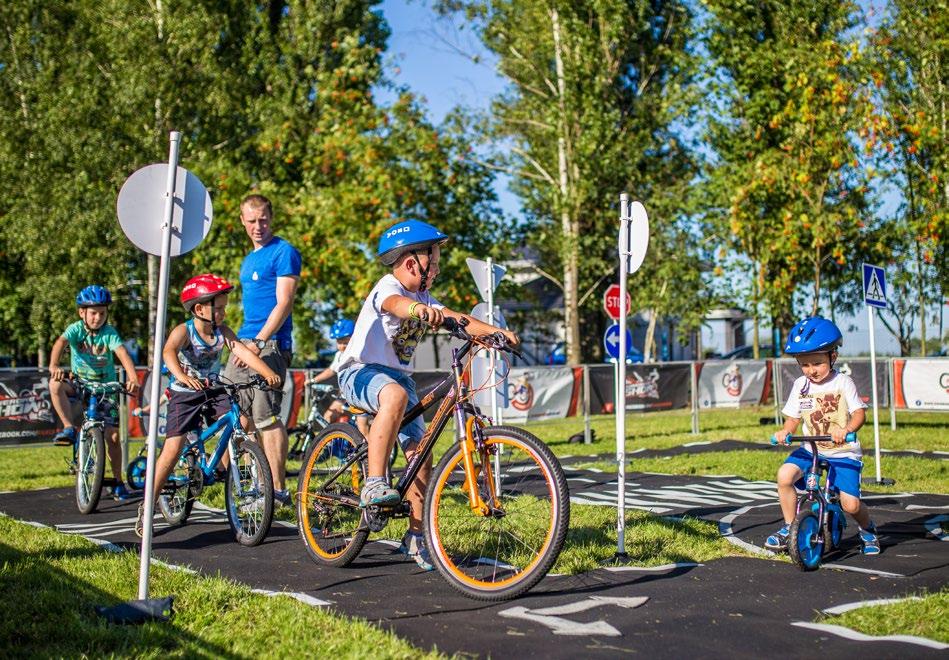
857,569
934,527
922,507
846,607
652,569
725,529
303,598
847,633
552,616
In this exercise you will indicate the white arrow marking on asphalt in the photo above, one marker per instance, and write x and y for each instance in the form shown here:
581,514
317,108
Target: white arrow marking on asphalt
551,616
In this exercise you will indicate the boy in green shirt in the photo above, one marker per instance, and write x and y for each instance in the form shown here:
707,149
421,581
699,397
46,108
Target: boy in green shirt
92,343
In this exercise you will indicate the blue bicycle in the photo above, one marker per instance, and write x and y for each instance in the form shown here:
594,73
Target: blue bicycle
820,522
248,484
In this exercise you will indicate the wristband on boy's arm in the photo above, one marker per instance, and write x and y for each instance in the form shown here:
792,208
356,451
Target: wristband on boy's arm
412,310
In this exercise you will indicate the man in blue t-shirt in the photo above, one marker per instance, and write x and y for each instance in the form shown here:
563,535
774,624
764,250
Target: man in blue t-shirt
268,278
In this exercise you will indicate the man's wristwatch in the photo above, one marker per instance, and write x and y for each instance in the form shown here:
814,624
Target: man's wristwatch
260,343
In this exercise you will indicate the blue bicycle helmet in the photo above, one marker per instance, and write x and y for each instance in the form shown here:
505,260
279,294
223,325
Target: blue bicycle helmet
342,328
813,335
93,296
407,236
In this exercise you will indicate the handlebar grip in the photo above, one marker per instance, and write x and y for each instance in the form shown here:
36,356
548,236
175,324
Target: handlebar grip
850,437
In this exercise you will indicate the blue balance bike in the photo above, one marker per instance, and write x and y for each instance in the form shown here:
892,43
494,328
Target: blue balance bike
820,522
89,449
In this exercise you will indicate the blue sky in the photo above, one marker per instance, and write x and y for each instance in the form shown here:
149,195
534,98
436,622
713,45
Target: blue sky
432,58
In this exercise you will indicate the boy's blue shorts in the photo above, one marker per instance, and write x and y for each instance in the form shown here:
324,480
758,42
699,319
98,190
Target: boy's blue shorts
844,473
360,385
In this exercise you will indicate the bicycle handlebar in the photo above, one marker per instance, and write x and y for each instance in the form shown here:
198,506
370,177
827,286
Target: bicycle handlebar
495,340
100,387
851,437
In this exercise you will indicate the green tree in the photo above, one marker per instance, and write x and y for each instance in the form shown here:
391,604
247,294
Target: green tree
595,89
786,182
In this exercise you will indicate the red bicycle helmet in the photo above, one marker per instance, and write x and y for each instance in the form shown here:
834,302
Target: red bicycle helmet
202,289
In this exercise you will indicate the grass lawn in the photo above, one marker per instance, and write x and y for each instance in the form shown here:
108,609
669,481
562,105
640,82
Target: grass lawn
53,580
926,617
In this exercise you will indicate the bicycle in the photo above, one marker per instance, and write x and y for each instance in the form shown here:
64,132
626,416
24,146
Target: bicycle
89,453
819,522
248,490
493,530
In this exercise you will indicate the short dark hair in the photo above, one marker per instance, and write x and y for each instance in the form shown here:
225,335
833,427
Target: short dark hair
257,201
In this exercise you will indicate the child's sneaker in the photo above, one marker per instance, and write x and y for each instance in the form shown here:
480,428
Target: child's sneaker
121,493
378,493
282,498
140,521
66,437
871,543
413,545
779,540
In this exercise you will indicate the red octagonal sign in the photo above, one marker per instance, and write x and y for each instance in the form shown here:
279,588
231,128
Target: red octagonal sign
611,301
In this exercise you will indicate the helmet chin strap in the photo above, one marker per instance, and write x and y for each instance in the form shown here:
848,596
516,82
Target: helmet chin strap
423,271
95,331
201,318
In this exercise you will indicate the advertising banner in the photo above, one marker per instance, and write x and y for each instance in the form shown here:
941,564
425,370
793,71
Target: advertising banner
856,368
541,393
734,383
26,413
661,386
921,384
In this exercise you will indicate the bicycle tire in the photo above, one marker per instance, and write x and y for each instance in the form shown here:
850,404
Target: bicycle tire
332,531
805,545
498,557
90,469
175,501
834,527
135,473
249,511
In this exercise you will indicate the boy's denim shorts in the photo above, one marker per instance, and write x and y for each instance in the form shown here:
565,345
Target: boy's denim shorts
844,473
361,385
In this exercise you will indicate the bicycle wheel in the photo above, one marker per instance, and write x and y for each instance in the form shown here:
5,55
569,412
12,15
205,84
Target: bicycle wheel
328,513
90,468
250,507
506,552
135,473
834,526
804,541
175,501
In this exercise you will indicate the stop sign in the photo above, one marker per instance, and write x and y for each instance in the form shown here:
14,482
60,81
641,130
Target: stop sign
611,301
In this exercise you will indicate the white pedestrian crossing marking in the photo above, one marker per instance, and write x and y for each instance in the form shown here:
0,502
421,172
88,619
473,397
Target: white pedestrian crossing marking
674,497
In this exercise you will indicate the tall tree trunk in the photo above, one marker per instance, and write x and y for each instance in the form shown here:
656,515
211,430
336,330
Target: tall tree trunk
921,292
152,260
568,224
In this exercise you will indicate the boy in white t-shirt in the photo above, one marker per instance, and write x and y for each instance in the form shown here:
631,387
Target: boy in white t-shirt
828,404
375,369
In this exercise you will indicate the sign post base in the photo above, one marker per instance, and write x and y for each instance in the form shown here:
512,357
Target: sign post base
618,559
882,481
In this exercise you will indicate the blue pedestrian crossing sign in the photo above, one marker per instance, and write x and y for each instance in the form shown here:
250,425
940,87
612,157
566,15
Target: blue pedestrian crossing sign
611,341
874,286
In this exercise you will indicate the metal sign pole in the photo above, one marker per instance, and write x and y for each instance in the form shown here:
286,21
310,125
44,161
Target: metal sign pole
587,435
873,379
158,345
619,403
694,384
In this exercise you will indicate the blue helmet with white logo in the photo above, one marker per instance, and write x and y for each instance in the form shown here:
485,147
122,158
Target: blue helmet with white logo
342,328
93,296
813,335
407,236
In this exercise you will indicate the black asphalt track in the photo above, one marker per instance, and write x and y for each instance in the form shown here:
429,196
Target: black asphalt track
734,608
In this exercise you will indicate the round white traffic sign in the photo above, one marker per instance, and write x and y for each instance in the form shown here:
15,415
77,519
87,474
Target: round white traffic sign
141,209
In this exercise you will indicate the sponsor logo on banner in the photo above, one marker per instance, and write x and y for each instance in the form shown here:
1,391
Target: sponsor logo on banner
731,380
639,387
28,405
520,393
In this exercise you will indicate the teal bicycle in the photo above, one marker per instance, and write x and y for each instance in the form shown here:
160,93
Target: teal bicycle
89,451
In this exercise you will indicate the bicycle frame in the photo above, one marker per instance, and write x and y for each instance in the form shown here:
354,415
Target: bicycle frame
452,392
91,417
224,425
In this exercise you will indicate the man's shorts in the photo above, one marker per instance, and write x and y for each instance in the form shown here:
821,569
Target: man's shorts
844,473
361,385
263,405
187,411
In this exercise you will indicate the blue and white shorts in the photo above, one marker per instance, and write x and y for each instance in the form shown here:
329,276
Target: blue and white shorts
844,473
361,385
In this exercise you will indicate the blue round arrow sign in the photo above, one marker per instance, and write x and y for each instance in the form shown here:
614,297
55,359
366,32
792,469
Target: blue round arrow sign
611,341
